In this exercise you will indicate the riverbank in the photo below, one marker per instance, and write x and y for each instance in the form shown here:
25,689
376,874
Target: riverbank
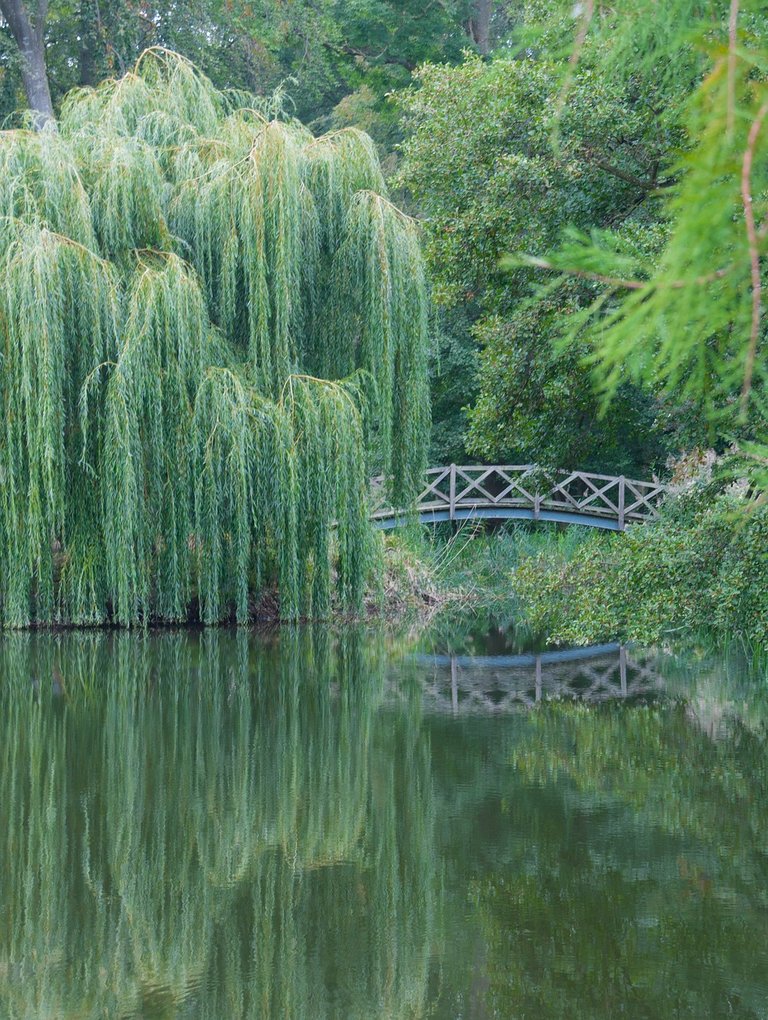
702,567
431,571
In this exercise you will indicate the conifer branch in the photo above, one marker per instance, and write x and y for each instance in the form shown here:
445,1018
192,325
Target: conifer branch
586,14
621,283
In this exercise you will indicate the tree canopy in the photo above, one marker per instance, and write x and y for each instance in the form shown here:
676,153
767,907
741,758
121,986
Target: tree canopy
603,150
481,164
324,53
686,316
209,320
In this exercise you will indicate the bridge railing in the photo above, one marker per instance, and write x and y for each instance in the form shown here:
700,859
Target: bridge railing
461,488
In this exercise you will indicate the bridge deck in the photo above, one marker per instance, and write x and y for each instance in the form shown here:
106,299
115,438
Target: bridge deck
523,492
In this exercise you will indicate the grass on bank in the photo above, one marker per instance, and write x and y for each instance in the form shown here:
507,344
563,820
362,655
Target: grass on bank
470,567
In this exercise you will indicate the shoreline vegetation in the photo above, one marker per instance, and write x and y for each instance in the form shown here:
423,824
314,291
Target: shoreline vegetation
700,569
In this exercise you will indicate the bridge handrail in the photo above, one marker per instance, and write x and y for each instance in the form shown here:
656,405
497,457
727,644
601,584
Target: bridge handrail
456,487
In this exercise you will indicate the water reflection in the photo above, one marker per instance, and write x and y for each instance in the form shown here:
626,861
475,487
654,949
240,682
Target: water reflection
211,822
645,893
502,683
316,826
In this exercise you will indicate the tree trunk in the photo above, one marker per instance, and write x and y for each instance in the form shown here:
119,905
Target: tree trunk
93,42
479,25
29,36
86,46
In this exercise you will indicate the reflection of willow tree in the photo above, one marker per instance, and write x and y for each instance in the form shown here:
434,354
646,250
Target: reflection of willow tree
639,886
195,820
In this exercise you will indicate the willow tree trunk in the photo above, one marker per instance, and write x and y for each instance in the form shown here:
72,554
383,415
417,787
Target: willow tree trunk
29,35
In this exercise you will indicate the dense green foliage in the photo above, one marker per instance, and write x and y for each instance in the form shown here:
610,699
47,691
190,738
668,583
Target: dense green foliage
481,164
336,59
702,566
172,263
687,318
592,185
627,139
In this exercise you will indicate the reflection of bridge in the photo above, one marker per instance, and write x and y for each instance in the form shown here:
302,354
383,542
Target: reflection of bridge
525,492
460,684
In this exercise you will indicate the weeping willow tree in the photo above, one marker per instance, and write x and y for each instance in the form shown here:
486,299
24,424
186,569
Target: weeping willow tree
212,329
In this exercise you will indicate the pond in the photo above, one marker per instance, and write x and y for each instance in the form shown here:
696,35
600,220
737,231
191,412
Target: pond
362,825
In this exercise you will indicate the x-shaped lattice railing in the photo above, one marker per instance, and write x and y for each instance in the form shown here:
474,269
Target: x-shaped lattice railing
456,488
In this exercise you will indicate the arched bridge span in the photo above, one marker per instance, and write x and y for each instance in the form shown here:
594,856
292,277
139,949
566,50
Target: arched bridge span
523,492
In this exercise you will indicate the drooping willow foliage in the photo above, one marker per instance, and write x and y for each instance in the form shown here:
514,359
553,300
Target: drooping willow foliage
210,324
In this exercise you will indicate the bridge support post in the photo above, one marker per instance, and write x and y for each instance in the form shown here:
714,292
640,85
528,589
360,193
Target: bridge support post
621,502
452,505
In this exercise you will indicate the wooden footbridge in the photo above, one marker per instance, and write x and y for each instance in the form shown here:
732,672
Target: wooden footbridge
523,492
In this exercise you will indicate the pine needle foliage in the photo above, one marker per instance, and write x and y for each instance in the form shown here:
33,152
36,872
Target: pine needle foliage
689,318
209,322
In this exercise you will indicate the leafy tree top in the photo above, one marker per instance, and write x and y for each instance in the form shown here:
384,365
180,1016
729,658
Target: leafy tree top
210,320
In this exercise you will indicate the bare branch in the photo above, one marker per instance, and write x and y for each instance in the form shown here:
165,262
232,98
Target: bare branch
583,274
644,183
754,250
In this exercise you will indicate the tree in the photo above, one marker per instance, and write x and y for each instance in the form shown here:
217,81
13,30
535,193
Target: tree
28,31
688,317
479,25
482,168
323,51
210,323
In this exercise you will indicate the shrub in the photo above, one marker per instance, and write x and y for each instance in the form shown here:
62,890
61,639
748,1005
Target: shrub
702,565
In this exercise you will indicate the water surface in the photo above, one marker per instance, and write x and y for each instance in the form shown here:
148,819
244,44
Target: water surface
223,825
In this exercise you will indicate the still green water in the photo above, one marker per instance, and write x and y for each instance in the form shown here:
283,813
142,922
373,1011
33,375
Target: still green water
316,825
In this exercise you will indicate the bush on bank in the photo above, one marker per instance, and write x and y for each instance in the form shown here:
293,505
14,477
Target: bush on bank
702,566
